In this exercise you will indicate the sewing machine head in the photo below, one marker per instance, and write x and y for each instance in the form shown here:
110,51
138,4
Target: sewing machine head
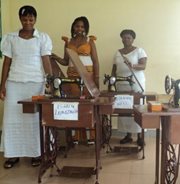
112,81
175,85
56,83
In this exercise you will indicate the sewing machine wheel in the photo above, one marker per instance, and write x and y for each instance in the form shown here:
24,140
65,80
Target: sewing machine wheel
112,80
168,84
57,82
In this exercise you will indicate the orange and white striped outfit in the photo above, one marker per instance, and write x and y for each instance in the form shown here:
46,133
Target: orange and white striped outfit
84,52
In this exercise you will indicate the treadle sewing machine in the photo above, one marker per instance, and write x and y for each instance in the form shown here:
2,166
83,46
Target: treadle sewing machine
57,83
59,111
112,80
175,85
123,105
167,169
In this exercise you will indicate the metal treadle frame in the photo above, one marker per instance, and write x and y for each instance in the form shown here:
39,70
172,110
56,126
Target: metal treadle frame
49,154
90,111
172,163
106,132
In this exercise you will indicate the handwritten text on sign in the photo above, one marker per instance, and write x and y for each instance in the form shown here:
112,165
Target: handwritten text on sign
65,110
124,102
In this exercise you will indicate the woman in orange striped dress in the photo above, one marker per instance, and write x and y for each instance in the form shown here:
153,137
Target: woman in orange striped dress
84,45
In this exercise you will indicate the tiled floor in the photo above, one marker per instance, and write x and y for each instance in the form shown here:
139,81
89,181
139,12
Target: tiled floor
116,168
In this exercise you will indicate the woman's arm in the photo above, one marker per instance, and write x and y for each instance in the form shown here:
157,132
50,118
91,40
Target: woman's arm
4,76
141,64
63,61
46,64
60,60
95,61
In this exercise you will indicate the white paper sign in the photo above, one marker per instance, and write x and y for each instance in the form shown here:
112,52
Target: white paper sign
65,110
124,102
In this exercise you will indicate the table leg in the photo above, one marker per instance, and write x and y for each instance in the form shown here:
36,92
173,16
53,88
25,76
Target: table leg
157,156
163,148
98,142
143,144
49,153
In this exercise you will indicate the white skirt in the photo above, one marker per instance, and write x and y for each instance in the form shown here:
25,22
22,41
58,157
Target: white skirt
127,124
20,132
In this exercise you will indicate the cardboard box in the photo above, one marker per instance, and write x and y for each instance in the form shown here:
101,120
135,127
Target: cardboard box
38,97
154,106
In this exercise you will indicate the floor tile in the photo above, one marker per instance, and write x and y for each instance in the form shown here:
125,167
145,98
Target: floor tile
116,167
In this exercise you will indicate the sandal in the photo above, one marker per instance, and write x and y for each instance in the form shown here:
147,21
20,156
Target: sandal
9,163
35,162
90,142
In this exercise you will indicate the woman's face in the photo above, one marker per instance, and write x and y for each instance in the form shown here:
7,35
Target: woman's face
79,28
127,40
28,22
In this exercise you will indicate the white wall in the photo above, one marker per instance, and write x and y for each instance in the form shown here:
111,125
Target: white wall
156,23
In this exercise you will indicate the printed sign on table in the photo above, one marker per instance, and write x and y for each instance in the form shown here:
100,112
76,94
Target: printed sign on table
65,110
124,102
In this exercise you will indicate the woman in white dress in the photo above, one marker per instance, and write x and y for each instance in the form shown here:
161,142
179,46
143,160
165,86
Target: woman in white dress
26,61
135,58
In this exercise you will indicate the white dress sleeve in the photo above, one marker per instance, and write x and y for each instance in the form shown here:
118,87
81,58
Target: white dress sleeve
141,53
46,44
6,48
116,57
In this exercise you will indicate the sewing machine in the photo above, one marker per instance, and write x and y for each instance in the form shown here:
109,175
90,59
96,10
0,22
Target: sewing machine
112,80
57,83
134,99
175,85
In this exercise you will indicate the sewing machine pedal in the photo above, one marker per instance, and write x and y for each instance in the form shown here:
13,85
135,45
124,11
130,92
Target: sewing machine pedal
77,172
126,148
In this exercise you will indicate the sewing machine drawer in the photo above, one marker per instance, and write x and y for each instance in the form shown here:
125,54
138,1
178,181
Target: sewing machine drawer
85,117
147,121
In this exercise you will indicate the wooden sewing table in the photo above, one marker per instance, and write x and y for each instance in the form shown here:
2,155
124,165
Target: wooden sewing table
90,113
169,120
119,112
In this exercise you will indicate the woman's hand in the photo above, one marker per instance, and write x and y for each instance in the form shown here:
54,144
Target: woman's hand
2,94
126,61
